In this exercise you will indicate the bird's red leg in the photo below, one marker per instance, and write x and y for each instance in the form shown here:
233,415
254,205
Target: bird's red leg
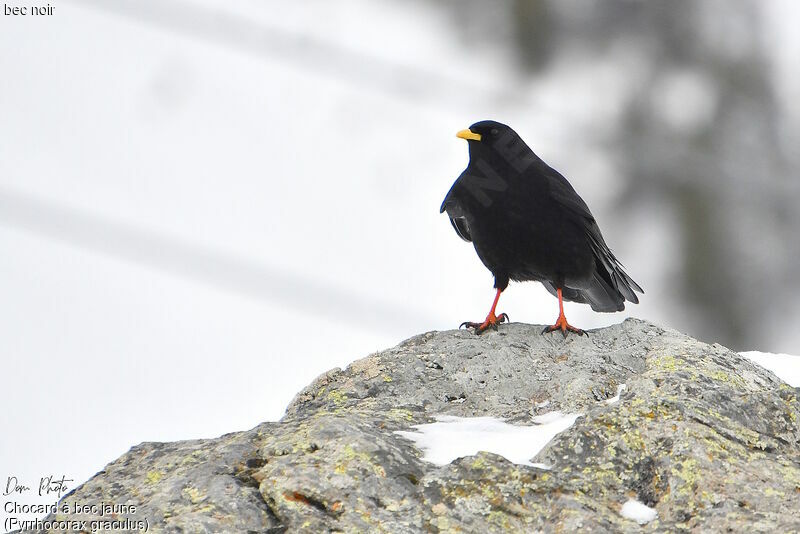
491,321
561,322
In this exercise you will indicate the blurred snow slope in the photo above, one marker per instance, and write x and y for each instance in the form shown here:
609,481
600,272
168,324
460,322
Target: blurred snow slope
204,206
785,366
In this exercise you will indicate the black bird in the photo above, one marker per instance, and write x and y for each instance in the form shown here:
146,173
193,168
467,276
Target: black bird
528,223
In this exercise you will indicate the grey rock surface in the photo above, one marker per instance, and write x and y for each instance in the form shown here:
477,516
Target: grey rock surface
701,434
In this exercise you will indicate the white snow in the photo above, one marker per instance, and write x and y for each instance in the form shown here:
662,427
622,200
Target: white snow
615,398
637,511
551,417
452,437
785,366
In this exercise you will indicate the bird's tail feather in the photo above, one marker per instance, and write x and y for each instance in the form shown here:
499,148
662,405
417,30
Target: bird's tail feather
610,286
610,279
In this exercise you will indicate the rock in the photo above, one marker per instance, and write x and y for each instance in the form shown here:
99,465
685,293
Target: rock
700,434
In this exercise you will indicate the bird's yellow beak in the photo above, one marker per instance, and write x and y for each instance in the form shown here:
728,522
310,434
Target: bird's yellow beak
469,135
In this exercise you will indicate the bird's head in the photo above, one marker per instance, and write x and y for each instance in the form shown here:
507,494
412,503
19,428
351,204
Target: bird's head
495,142
487,132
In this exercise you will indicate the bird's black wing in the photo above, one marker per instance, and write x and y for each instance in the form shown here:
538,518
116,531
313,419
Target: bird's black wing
610,286
559,190
461,227
456,214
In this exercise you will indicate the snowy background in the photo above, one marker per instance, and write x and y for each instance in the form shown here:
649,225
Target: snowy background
206,204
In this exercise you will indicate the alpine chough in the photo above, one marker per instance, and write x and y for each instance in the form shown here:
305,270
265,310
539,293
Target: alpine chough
528,223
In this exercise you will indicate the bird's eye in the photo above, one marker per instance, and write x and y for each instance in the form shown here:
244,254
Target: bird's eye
494,131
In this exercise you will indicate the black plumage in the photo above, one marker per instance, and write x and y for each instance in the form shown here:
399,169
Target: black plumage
528,223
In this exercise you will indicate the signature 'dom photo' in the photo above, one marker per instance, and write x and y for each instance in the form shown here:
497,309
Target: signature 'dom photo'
399,266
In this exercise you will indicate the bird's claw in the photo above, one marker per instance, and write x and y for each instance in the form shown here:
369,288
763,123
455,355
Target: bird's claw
564,326
491,322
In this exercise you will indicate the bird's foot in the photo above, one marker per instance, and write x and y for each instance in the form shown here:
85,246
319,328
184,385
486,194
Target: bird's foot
491,321
564,326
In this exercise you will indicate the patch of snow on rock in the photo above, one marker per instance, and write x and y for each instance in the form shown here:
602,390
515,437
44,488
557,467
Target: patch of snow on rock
453,437
637,511
615,398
